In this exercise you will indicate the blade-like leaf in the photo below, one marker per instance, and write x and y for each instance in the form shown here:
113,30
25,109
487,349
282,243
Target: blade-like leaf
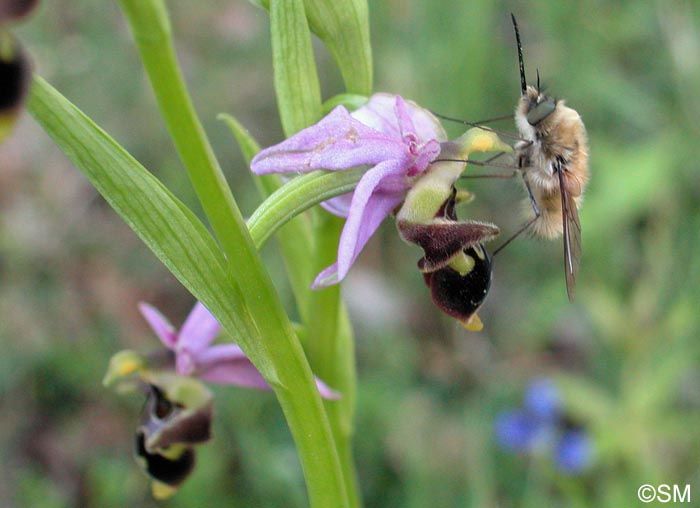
344,28
296,81
165,225
298,195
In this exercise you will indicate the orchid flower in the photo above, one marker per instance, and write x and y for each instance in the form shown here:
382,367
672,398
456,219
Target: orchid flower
15,67
178,413
196,356
397,138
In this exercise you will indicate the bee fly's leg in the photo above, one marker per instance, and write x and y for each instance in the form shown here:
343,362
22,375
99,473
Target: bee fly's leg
495,119
529,223
482,127
487,163
497,156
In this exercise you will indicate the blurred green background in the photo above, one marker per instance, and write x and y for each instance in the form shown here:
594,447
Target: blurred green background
625,355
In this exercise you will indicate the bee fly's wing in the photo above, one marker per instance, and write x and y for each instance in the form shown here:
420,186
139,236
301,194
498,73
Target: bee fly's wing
572,234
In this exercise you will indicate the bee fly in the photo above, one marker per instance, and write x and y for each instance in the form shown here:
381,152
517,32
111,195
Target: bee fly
553,158
551,154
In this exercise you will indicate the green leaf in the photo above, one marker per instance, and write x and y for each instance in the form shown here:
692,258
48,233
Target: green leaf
349,100
165,225
331,349
296,81
249,147
329,343
297,195
150,26
344,28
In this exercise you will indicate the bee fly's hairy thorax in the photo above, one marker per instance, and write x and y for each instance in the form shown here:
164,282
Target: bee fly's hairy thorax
553,141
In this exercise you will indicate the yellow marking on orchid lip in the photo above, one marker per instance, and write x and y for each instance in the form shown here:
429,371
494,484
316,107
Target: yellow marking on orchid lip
463,196
474,324
173,452
462,263
160,490
7,123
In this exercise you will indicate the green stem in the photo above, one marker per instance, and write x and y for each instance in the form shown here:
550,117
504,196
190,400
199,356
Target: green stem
299,195
331,349
296,237
273,340
151,29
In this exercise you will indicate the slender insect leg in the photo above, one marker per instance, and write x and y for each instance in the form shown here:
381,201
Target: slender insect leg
474,124
496,119
491,159
529,223
487,162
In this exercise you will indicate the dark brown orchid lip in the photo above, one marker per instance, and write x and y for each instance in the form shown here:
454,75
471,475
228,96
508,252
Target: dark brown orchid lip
167,423
455,267
12,10
171,471
443,239
460,296
15,72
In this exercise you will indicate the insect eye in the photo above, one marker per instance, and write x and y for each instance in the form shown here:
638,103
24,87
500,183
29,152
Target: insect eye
541,111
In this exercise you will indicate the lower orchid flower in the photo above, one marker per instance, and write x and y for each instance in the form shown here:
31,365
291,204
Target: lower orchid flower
196,356
178,411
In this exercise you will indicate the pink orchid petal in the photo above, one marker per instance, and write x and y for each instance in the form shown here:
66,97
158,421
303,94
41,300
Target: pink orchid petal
337,142
220,353
159,324
367,211
380,113
339,205
228,364
199,330
326,391
427,154
327,277
403,118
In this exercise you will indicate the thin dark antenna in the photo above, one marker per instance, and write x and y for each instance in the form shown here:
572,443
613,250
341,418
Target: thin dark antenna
538,79
523,81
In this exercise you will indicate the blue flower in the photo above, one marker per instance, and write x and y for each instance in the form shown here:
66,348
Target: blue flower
540,427
542,399
574,450
516,430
